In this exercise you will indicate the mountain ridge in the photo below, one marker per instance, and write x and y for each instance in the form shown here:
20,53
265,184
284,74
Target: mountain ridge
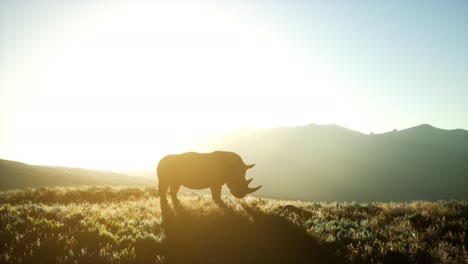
327,162
15,174
316,162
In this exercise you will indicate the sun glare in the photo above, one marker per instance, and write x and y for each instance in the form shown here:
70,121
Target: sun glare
128,85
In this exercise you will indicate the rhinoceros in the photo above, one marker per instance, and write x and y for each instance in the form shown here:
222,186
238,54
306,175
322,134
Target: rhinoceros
204,170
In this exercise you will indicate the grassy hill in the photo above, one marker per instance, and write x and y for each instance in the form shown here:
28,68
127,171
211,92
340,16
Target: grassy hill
102,224
20,175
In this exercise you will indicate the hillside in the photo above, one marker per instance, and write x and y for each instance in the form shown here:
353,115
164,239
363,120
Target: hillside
129,225
324,163
330,163
20,175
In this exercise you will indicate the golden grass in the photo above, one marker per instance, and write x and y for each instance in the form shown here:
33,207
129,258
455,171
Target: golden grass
104,224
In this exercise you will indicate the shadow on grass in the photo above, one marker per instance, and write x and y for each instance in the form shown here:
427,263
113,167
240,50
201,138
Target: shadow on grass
235,237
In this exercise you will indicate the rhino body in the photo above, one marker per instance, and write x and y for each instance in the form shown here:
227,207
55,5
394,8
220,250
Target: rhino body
204,170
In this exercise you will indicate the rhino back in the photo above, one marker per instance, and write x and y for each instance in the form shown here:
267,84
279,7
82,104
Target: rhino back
200,170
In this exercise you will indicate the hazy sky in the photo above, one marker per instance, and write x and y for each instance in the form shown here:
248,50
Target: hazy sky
115,84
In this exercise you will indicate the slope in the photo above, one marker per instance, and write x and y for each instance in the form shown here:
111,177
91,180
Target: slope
130,225
334,163
20,175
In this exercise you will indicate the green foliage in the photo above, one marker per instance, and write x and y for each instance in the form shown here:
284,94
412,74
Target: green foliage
103,224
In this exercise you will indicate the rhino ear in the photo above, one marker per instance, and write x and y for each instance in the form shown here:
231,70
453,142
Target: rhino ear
249,166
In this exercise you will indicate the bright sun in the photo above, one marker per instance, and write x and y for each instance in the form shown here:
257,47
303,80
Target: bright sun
119,89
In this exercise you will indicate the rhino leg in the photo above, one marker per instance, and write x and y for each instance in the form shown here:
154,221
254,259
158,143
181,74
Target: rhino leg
216,193
162,186
174,190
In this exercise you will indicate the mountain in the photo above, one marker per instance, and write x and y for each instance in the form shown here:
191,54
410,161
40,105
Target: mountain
15,175
313,162
428,135
332,163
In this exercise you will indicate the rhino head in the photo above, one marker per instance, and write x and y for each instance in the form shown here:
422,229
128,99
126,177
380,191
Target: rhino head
239,186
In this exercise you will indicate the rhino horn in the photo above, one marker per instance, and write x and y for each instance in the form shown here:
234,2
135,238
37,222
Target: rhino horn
247,182
251,190
249,166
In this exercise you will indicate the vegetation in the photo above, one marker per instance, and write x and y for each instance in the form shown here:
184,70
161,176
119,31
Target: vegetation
102,224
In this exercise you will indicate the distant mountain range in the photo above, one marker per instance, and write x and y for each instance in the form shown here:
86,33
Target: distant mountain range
332,163
313,162
15,175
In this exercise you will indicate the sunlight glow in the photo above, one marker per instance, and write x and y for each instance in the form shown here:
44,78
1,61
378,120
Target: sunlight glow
129,85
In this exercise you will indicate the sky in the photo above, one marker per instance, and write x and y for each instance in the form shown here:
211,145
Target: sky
117,84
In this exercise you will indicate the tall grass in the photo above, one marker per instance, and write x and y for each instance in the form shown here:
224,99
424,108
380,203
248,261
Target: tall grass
103,224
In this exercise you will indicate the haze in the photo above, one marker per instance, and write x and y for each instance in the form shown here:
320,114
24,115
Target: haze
118,84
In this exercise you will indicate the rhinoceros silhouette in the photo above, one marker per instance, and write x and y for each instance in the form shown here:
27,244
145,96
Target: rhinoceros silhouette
204,170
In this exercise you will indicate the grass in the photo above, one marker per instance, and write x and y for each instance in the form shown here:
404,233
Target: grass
102,224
